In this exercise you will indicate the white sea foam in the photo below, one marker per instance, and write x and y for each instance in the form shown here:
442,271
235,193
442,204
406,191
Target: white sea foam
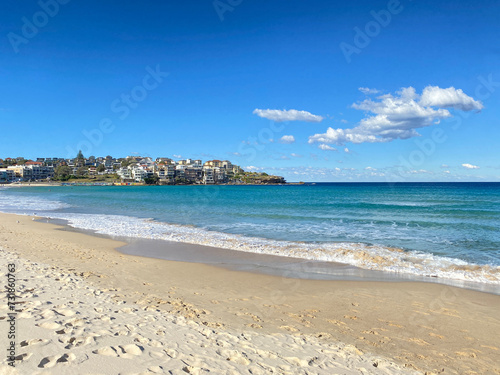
357,254
21,204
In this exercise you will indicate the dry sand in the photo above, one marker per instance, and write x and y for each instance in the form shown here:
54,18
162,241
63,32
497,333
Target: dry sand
86,308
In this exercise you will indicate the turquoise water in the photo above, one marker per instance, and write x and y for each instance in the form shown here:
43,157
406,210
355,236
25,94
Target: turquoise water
444,228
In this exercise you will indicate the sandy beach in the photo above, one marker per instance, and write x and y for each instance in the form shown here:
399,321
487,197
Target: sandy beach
85,308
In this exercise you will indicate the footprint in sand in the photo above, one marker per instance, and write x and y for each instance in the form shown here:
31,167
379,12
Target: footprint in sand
75,322
24,357
289,329
47,314
297,361
419,341
336,322
389,323
436,335
489,347
51,361
25,315
354,317
49,325
107,351
233,356
65,312
156,355
171,353
156,369
466,354
75,342
124,351
33,342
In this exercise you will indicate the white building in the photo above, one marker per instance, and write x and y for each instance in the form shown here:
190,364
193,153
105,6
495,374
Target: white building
208,176
124,173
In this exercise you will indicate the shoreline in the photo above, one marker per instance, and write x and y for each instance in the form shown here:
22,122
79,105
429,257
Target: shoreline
423,326
259,263
394,258
106,183
359,260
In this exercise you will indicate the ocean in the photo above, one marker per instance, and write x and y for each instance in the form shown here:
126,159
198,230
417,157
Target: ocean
444,230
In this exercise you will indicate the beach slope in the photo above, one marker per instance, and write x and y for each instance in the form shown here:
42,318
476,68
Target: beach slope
82,307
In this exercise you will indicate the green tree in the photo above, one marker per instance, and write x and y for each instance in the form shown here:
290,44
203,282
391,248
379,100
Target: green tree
101,168
82,171
80,159
62,173
153,180
125,163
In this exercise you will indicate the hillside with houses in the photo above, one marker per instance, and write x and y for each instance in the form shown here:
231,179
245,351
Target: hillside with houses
129,170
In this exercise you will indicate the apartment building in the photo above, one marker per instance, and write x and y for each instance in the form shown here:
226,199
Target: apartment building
208,176
7,175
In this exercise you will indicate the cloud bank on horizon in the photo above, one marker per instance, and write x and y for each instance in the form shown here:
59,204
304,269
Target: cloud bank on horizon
287,115
398,116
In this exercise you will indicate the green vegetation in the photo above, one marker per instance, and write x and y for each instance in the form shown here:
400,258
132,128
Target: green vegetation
126,162
259,178
62,173
151,180
82,171
17,161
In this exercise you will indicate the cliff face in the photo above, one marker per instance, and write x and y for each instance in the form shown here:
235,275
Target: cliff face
261,179
271,180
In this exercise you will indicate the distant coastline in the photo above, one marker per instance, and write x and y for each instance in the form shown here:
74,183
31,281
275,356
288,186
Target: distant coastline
132,170
50,184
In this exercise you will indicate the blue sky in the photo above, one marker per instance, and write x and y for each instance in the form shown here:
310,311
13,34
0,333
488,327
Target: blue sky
313,91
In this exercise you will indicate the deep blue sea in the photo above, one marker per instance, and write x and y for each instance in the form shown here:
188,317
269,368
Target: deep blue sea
450,230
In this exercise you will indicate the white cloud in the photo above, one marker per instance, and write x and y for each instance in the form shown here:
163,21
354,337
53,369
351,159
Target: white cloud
470,166
419,171
287,115
287,139
326,147
296,155
447,172
177,156
346,150
370,169
252,168
449,98
398,116
368,91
